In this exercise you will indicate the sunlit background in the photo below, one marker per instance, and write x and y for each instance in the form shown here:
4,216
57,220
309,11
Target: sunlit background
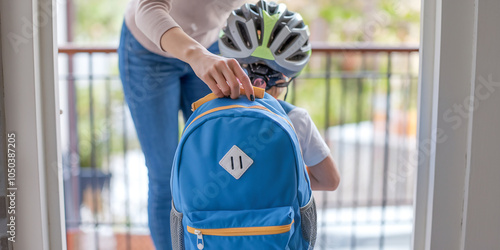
360,88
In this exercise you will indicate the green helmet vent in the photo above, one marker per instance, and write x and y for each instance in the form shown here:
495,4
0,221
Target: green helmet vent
263,50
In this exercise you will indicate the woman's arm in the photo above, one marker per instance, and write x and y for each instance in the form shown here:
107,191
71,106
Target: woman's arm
324,175
219,73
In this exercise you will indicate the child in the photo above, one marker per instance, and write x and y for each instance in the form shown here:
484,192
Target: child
272,58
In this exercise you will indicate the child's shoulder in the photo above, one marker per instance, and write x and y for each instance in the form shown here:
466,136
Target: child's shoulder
290,107
299,116
287,106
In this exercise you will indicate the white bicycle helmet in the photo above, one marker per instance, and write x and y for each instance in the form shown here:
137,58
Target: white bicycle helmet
267,34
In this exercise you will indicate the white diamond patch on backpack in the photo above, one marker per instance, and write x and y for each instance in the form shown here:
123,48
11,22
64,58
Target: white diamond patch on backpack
236,162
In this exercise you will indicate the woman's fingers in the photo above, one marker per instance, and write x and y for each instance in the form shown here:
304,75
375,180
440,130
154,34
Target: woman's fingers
245,81
231,81
221,82
212,84
223,76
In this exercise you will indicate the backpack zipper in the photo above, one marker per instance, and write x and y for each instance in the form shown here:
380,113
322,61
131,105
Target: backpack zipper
199,239
237,231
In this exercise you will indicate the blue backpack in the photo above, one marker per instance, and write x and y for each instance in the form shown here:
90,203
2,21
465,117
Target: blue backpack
239,180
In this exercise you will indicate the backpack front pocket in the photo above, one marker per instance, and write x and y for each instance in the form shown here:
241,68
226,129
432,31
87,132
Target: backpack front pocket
248,229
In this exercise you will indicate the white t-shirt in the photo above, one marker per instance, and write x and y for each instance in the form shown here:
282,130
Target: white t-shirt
314,148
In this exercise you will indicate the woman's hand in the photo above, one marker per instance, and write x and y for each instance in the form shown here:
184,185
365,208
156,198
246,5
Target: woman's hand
222,75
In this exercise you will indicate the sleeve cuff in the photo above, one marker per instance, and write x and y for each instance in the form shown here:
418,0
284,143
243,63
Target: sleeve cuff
160,29
316,159
154,23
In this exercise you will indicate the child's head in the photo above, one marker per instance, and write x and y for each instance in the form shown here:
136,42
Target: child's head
270,42
263,76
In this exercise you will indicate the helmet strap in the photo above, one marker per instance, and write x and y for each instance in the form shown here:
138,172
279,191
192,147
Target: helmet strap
290,81
286,94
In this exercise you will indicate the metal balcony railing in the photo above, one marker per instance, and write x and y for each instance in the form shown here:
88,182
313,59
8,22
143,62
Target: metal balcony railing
363,99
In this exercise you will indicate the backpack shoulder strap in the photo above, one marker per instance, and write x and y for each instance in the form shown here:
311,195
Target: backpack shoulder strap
286,106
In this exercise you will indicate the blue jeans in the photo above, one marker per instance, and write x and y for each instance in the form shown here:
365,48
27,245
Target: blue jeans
155,89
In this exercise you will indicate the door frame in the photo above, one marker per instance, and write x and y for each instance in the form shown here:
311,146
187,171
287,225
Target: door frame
29,59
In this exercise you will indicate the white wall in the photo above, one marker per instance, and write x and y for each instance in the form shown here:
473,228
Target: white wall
32,112
3,160
482,206
459,162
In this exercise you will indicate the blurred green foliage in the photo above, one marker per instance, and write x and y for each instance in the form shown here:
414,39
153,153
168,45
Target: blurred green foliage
378,21
98,21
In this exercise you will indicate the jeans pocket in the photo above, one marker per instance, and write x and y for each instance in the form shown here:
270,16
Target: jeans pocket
309,222
176,229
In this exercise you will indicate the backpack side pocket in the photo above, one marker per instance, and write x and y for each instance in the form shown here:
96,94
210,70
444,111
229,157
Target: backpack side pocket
176,229
309,222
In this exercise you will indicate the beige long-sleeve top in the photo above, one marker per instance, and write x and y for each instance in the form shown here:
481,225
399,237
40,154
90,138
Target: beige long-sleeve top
202,20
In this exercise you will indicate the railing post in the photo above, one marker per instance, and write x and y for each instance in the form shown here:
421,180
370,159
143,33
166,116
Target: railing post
359,106
324,203
93,163
386,149
73,154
